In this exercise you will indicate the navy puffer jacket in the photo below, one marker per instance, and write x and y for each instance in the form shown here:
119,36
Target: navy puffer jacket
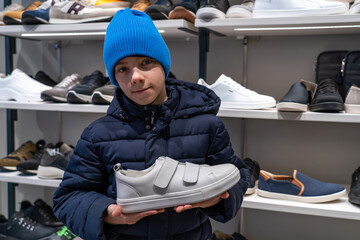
184,128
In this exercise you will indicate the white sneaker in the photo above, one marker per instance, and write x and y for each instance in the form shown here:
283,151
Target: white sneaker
20,87
233,95
352,100
243,10
79,11
355,7
290,8
170,183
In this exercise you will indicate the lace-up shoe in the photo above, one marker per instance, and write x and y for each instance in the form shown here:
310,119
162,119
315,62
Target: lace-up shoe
141,5
354,193
355,7
14,18
14,7
104,94
40,15
170,183
58,93
63,234
213,9
54,161
79,11
289,8
83,93
327,97
184,10
254,169
42,77
158,12
40,212
20,227
298,187
20,87
244,10
233,95
352,100
24,152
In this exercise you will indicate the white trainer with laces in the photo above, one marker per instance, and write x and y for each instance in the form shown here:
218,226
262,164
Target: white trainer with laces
294,8
20,87
234,95
169,183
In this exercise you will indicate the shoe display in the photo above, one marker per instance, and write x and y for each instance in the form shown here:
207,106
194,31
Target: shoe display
298,97
63,234
327,97
59,91
244,10
213,9
104,94
24,152
233,95
40,212
298,187
169,183
14,17
352,101
83,93
82,12
296,8
23,228
184,10
218,235
31,165
110,3
254,170
14,7
20,87
141,5
54,161
354,193
39,15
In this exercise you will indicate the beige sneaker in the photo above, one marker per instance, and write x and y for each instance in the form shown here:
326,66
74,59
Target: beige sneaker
24,152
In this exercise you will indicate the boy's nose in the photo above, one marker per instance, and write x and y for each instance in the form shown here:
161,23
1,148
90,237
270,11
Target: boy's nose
137,76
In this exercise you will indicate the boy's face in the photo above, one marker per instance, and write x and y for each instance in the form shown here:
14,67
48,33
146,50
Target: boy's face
142,79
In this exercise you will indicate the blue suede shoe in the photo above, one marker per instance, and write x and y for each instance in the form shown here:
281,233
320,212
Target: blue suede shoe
298,187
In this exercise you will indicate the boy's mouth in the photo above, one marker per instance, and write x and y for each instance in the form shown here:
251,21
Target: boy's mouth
141,90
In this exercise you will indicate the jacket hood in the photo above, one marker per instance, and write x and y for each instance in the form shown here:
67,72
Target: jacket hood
184,99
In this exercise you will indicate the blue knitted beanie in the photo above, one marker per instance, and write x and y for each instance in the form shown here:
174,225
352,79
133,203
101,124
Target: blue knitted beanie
133,33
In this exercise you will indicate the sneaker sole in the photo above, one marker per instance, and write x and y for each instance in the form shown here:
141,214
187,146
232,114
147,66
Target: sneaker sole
297,12
179,198
209,13
32,20
352,108
50,172
85,20
11,21
74,97
99,98
238,13
7,94
253,106
327,107
47,97
317,199
291,107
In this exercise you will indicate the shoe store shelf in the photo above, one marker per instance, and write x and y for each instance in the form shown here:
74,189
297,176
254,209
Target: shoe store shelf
177,28
18,177
277,26
340,208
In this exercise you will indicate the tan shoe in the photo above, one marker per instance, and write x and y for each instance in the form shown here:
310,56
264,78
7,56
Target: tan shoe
14,17
141,5
24,152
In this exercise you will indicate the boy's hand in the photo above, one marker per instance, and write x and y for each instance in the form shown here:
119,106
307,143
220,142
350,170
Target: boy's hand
116,216
204,204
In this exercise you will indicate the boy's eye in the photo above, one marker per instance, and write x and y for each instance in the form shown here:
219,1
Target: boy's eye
121,69
147,61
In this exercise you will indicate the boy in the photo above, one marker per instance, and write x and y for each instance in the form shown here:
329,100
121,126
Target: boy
148,118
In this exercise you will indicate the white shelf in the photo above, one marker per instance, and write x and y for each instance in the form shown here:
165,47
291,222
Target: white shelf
340,208
177,28
309,25
18,177
270,114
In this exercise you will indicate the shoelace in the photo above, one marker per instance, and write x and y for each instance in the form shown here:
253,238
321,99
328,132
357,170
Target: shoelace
26,223
327,86
237,87
22,148
68,81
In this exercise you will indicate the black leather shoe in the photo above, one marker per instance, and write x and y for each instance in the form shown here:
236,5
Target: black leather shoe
254,171
327,97
354,193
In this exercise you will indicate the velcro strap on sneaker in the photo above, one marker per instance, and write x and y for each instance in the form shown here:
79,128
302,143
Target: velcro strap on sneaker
166,172
191,173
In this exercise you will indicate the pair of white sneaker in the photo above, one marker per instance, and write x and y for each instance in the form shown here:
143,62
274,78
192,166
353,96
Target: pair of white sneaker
234,95
20,87
290,8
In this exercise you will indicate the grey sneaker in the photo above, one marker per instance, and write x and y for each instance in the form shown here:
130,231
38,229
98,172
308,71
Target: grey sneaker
352,100
104,94
79,11
59,91
170,183
54,161
244,10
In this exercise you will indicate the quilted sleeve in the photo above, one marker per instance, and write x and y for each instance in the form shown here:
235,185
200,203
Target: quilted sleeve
221,152
80,200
